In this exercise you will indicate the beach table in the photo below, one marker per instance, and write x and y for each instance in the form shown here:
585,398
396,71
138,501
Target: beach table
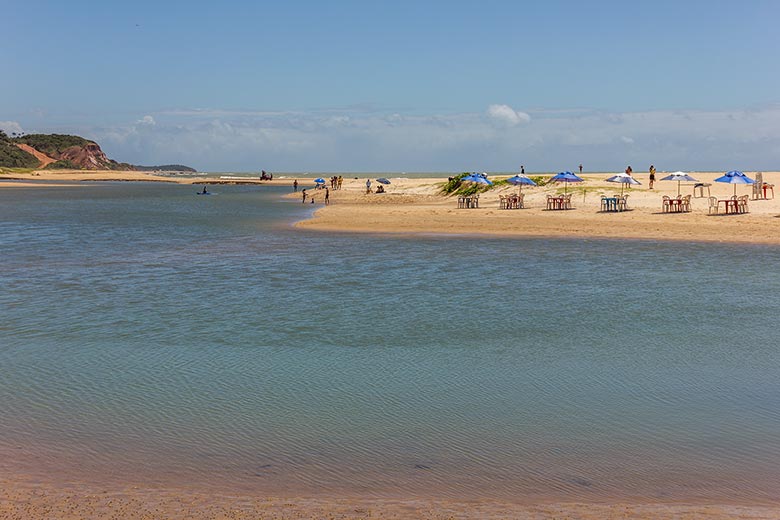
676,205
556,203
700,187
732,205
610,204
470,202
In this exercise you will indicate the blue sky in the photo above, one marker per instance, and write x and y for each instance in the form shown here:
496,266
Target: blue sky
409,86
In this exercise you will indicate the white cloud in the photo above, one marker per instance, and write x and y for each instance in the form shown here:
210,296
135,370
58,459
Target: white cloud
329,140
147,120
507,115
10,127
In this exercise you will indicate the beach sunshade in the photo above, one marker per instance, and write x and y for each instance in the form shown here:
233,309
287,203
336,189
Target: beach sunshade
735,177
679,177
623,179
565,177
319,180
477,179
383,180
520,180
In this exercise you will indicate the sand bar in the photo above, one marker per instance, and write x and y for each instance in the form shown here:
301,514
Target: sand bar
416,206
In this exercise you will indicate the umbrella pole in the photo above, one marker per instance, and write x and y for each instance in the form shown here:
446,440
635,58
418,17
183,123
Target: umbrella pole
678,188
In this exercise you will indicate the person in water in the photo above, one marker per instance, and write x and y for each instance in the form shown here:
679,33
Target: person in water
204,192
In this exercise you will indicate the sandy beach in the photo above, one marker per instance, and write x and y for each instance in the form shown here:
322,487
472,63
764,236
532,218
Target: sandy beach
416,205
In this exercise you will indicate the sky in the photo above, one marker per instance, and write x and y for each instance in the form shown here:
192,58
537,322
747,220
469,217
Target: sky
400,85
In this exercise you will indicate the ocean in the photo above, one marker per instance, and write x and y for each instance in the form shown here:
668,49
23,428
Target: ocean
151,336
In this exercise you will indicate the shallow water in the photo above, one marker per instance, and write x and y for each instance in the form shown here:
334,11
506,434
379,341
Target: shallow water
151,335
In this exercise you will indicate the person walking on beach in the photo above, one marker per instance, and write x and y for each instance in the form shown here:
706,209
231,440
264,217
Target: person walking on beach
580,167
368,186
652,176
295,185
327,196
304,196
522,170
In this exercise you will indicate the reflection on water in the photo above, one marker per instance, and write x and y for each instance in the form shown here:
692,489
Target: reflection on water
151,335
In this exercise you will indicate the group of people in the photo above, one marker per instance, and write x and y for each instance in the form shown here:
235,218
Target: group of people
305,195
266,176
336,181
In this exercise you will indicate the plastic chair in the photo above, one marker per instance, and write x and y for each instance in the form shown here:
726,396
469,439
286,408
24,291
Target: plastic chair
713,205
742,205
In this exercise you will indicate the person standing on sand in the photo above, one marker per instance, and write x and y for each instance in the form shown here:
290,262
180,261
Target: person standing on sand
295,185
580,167
304,196
327,196
368,186
652,176
522,170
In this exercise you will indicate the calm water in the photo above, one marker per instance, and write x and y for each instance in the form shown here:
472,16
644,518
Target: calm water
151,335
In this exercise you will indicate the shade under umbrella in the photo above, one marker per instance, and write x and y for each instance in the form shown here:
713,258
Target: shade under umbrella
565,177
735,177
383,180
679,177
623,179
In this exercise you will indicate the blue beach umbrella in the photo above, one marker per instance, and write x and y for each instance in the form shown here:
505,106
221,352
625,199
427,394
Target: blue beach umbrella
383,180
565,177
735,177
319,180
477,179
520,180
623,179
679,177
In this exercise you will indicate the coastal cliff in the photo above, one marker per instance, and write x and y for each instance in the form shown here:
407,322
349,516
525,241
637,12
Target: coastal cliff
62,151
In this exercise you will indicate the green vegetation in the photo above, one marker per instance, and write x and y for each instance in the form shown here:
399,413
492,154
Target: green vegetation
52,144
61,165
13,157
456,186
540,180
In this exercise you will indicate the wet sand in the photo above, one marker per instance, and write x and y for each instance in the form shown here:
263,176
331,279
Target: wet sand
22,500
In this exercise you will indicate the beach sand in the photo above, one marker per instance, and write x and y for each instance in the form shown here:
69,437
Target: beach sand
22,500
415,206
